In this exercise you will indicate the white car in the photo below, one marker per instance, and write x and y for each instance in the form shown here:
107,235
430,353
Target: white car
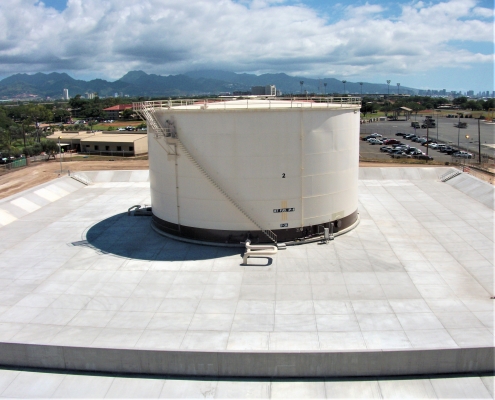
376,135
374,141
462,154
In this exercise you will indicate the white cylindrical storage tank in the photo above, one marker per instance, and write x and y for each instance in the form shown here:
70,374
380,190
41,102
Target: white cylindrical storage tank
268,170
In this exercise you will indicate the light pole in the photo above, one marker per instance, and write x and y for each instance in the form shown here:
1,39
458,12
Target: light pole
398,89
388,86
60,154
427,138
436,115
467,143
479,142
325,85
361,83
301,83
344,82
458,130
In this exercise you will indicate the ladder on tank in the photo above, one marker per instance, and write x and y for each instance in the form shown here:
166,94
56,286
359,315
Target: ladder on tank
153,121
148,114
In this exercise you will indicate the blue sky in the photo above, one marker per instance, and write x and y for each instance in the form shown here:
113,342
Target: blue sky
438,44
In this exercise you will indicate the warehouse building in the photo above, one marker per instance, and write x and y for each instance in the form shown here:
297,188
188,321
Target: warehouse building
124,144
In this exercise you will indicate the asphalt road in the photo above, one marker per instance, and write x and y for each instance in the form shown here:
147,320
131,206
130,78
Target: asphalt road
446,133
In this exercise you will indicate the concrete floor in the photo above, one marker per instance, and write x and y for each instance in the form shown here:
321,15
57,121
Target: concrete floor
417,273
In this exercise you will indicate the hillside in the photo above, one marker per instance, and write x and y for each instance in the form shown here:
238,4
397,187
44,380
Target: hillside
207,82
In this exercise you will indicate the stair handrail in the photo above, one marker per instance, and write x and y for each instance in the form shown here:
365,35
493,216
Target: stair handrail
270,234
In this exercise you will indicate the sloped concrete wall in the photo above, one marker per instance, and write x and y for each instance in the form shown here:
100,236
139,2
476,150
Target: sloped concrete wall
474,188
31,200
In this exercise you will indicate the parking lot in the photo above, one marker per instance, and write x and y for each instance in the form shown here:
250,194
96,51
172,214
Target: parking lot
445,132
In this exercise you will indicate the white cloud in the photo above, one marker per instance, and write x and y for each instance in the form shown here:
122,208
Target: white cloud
107,39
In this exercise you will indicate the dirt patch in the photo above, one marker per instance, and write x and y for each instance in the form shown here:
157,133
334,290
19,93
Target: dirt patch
45,171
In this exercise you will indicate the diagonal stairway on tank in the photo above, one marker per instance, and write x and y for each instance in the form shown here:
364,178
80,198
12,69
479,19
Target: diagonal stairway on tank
149,115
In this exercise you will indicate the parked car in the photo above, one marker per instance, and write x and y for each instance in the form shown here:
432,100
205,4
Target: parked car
391,141
400,155
376,135
374,141
422,157
400,134
386,149
462,154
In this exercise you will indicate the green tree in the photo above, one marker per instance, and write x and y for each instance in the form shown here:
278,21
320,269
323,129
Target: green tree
473,105
490,103
61,115
128,113
50,148
77,102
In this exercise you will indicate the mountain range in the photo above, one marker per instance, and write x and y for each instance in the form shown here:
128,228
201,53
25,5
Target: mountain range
207,82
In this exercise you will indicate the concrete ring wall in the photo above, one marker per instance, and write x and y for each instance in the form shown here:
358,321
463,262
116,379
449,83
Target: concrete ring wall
249,364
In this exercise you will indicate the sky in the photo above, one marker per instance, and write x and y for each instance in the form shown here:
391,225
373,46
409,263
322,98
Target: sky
436,44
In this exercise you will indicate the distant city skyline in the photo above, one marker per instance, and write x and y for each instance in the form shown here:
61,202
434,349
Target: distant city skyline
427,45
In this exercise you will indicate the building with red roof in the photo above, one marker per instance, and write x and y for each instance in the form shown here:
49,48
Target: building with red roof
115,112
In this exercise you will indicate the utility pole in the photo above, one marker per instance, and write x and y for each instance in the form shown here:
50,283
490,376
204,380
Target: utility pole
458,131
479,142
60,154
344,82
23,133
398,89
388,86
437,125
325,85
301,83
361,83
427,138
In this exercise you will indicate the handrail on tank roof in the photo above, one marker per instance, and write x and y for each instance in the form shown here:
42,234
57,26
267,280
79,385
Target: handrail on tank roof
249,102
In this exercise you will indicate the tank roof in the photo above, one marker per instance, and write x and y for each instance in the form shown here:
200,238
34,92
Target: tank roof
250,103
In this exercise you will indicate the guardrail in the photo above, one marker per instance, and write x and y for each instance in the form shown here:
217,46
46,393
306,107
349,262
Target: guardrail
245,103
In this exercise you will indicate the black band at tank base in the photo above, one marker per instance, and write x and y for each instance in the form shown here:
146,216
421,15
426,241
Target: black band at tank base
225,236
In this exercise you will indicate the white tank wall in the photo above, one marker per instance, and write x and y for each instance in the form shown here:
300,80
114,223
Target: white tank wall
246,152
